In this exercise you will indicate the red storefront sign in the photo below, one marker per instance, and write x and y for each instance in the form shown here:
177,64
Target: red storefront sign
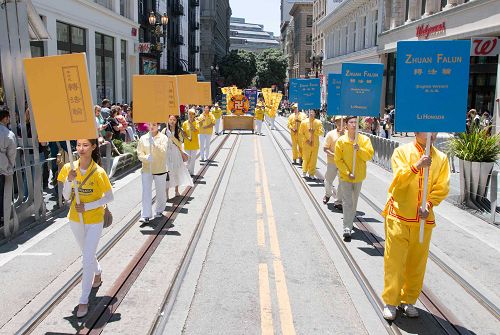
484,46
144,47
425,30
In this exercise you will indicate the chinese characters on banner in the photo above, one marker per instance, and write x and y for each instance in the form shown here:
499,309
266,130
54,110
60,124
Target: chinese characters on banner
185,84
361,89
202,94
334,85
62,109
432,85
252,98
306,92
155,98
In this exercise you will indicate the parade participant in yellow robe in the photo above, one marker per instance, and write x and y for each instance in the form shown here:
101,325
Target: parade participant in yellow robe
217,113
272,117
259,117
206,121
294,122
331,169
309,132
405,258
191,130
351,181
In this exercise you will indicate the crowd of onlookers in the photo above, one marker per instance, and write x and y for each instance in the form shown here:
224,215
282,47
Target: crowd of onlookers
481,120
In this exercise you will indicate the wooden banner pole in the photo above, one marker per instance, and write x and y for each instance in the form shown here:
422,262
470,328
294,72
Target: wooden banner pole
426,180
354,151
75,184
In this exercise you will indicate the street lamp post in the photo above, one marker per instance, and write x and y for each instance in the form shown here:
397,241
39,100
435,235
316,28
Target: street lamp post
214,78
158,26
317,62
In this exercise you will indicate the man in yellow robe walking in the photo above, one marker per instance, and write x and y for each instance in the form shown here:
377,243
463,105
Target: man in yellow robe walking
309,132
405,258
351,179
294,122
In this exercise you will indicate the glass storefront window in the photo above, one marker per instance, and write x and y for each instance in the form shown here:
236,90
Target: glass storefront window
123,65
70,39
105,67
62,32
37,49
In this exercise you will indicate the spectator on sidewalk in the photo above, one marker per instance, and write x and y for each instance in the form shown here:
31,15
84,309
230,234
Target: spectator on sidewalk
94,190
331,169
8,149
114,126
100,122
105,109
405,258
351,179
151,151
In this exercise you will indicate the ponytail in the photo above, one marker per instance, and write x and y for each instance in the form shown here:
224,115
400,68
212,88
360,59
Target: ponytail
96,154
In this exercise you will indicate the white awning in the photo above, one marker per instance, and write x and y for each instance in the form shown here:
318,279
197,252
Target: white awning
37,29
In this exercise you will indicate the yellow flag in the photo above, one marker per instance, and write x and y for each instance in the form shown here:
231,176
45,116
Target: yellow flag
60,97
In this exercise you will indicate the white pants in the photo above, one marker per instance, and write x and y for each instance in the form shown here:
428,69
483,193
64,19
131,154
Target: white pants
331,174
258,126
191,160
350,196
217,125
147,194
271,122
205,146
87,236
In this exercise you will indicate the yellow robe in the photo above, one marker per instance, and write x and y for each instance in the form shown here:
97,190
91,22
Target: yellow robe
294,123
259,113
206,120
310,150
405,258
217,113
344,152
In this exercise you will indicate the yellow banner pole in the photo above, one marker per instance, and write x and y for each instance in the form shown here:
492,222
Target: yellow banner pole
355,151
426,180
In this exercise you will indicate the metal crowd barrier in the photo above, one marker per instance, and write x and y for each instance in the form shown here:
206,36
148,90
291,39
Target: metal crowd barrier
494,195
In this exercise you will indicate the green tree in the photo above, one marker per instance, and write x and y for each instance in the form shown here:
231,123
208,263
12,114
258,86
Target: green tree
238,68
271,68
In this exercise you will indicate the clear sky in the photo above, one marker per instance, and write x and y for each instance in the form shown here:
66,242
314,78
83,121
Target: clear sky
266,12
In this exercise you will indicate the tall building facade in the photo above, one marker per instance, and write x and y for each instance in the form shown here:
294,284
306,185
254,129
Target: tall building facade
250,36
106,30
214,19
319,12
300,36
178,52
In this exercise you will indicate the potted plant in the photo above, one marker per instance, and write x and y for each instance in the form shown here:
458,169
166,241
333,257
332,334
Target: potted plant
477,152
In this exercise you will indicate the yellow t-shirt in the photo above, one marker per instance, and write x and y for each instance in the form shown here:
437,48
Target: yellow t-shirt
259,113
191,132
206,120
330,140
217,113
344,152
93,190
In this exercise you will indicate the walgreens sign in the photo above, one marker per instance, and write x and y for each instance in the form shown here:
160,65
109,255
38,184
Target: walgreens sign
425,30
484,46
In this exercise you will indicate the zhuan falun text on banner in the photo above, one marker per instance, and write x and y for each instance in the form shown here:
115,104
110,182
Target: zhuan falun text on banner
334,91
432,81
306,92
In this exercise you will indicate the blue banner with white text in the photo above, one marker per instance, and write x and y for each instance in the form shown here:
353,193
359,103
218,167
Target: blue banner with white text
361,89
306,92
334,90
251,95
432,81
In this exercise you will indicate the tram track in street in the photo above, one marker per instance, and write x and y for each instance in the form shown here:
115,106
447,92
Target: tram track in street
442,316
428,296
29,326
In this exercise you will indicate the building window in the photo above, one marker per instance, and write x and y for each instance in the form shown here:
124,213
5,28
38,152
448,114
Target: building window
125,8
123,65
375,27
70,39
105,67
344,42
309,21
37,49
106,3
309,39
308,55
363,32
354,35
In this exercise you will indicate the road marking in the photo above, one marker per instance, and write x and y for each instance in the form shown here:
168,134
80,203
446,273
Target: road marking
36,254
285,310
261,237
266,311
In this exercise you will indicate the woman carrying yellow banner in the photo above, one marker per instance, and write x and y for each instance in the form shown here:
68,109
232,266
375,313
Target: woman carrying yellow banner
309,132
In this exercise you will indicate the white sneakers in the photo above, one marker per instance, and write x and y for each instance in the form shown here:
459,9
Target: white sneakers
409,310
390,311
347,233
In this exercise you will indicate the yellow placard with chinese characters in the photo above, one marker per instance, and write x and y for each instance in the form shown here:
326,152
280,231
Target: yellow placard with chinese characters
202,93
185,84
60,97
155,98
